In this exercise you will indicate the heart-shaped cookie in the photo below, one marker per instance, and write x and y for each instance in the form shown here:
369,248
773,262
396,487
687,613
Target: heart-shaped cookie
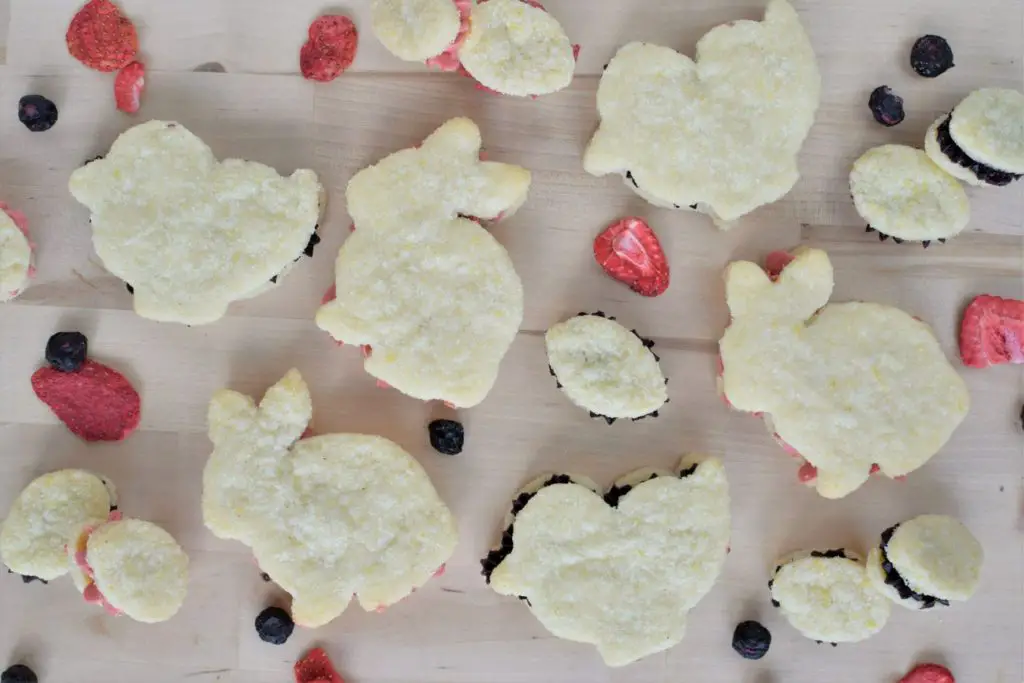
619,571
327,517
719,134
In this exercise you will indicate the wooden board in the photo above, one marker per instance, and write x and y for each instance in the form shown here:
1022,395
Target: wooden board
456,629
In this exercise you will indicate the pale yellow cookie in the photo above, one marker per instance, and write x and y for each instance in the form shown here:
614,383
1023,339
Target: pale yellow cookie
845,385
605,368
15,258
191,234
989,126
45,515
933,148
328,517
927,561
433,294
829,598
721,132
138,568
619,573
901,193
517,49
415,30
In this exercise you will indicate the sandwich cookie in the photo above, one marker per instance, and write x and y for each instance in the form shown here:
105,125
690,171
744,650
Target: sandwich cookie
618,571
927,561
903,195
982,141
15,253
129,567
44,517
190,234
327,517
866,387
717,134
827,596
421,285
605,368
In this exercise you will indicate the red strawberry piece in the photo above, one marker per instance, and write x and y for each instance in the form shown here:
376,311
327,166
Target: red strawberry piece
630,252
96,403
992,332
928,673
775,262
128,87
316,667
331,48
102,38
875,469
807,473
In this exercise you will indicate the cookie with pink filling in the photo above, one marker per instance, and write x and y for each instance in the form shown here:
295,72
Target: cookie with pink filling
15,253
853,388
130,567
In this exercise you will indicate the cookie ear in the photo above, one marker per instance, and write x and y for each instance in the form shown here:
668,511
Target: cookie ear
286,409
803,287
314,609
230,413
506,189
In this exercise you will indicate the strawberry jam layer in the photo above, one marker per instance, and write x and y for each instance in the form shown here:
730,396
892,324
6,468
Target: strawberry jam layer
92,593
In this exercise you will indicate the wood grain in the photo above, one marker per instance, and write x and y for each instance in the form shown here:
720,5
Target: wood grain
456,629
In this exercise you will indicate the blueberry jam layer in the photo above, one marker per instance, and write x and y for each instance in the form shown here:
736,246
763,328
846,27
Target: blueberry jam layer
898,583
612,497
953,151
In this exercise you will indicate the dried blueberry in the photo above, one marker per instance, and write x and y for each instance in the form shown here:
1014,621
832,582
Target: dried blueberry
447,436
274,626
751,640
65,351
931,56
19,673
37,113
886,106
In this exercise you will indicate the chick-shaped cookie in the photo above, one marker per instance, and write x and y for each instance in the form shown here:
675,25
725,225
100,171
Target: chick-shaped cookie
927,561
130,567
620,571
327,517
419,281
720,134
851,387
188,233
44,517
15,253
827,596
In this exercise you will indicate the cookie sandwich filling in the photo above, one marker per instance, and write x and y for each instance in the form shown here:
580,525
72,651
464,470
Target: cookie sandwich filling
957,155
91,592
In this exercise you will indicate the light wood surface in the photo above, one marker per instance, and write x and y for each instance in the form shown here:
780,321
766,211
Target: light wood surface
456,629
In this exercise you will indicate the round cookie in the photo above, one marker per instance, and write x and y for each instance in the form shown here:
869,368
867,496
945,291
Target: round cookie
988,127
902,194
605,368
516,48
827,596
415,30
15,253
131,567
622,571
44,517
927,561
934,140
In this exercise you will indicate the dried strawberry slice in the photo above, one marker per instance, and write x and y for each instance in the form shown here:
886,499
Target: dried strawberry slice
928,673
316,667
775,262
331,48
97,403
128,87
630,252
992,332
102,38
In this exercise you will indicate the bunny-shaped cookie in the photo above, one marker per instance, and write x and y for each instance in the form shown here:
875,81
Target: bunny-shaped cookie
852,387
419,281
327,517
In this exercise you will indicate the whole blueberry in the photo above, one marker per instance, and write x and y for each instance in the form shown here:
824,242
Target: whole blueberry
66,351
447,436
19,673
751,640
274,626
37,113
